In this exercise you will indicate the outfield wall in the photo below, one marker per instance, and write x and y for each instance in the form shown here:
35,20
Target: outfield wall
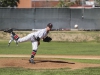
37,18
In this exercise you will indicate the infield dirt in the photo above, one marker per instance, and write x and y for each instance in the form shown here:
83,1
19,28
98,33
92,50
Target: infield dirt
42,63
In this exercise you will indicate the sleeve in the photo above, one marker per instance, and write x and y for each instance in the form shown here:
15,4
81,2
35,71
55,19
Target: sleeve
42,34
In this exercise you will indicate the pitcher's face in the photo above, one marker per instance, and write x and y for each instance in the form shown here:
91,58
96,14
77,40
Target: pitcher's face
48,28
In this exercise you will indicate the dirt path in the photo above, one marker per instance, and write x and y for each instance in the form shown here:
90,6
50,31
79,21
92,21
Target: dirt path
45,61
56,56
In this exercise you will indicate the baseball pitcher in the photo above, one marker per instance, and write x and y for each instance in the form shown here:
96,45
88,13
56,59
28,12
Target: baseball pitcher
35,39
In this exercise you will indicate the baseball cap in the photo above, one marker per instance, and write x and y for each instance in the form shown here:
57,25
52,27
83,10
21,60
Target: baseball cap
50,25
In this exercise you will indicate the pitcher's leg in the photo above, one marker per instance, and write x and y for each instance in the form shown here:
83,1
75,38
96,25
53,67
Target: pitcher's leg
24,39
34,48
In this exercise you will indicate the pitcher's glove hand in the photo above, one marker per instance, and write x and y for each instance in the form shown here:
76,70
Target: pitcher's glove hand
47,39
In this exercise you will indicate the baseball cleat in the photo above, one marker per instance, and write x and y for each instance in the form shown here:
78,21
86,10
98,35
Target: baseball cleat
31,61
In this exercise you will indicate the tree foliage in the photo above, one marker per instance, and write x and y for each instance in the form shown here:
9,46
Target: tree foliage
98,2
64,3
9,3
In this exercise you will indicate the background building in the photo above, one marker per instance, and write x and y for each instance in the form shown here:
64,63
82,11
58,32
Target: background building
53,3
24,4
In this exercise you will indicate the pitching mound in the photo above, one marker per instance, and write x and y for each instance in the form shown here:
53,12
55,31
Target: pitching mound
42,63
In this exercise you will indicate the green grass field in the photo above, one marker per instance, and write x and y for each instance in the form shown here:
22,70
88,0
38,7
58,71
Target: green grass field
21,71
53,48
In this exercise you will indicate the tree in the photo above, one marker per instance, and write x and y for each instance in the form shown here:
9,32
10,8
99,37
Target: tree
65,3
9,3
98,2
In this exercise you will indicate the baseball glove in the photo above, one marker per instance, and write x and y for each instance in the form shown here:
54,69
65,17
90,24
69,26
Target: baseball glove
8,30
47,39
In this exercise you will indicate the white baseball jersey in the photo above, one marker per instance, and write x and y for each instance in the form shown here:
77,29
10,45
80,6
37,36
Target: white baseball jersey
31,37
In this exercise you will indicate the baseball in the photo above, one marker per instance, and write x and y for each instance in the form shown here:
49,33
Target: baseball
76,26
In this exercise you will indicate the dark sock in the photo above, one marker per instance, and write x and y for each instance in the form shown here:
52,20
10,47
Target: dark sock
33,53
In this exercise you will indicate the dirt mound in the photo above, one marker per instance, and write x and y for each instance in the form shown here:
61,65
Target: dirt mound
42,63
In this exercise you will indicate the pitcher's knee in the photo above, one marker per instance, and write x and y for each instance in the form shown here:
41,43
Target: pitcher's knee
35,48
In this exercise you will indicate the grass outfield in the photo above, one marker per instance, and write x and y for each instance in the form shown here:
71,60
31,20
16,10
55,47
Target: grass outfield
17,71
52,48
